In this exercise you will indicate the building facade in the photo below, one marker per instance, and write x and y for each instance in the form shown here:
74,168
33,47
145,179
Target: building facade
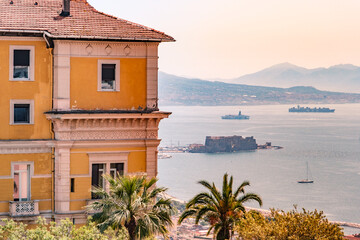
78,99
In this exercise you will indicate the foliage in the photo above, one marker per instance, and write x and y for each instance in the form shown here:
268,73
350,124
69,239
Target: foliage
65,230
292,225
132,203
220,209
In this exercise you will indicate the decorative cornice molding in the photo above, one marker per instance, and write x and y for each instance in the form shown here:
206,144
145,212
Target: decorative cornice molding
106,126
108,49
23,147
13,38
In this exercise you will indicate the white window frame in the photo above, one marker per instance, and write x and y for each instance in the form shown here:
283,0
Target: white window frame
31,173
107,158
22,101
117,74
32,62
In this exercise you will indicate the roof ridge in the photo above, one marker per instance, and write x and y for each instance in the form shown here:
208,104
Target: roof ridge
124,20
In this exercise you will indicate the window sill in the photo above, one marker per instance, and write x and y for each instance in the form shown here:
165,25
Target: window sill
109,90
21,124
21,80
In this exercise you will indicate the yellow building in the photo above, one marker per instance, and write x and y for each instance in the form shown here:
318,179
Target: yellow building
78,99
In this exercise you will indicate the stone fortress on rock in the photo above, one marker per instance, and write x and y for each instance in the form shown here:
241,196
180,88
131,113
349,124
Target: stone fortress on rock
224,144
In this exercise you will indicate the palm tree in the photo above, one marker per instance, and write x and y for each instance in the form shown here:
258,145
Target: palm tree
132,203
220,209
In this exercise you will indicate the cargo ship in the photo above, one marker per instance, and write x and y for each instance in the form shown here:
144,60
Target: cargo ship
307,109
239,116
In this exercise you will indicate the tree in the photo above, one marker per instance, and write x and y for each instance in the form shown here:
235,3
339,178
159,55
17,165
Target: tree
132,203
220,209
292,225
64,230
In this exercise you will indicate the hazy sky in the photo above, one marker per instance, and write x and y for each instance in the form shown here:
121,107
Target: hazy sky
229,38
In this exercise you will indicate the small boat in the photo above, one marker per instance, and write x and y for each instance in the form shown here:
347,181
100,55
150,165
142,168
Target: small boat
239,116
307,180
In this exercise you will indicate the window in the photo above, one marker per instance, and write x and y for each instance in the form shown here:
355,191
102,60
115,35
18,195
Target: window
97,179
21,182
72,186
98,170
116,169
21,112
108,75
22,63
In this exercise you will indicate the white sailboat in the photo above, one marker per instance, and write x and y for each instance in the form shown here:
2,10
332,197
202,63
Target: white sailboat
307,180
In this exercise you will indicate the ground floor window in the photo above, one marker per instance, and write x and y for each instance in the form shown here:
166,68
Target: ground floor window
116,169
99,169
21,182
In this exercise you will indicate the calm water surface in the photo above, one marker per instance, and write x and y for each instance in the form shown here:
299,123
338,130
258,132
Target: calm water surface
329,142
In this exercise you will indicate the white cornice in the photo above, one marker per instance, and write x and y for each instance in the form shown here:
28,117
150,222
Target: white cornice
107,49
21,147
12,38
106,126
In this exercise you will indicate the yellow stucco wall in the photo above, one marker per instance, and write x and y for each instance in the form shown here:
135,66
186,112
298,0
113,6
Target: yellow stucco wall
77,205
79,159
79,165
7,190
42,162
38,90
82,188
84,85
41,187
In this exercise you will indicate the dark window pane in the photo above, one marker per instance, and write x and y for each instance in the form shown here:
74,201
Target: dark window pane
21,113
21,57
119,168
72,186
96,177
21,72
108,72
108,76
16,187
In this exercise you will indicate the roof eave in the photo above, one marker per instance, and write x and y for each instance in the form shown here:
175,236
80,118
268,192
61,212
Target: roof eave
79,37
112,38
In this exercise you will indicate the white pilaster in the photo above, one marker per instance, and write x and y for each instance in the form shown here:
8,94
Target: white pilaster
152,76
62,51
62,179
151,162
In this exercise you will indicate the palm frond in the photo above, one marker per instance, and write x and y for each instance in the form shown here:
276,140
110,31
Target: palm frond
241,189
187,213
250,196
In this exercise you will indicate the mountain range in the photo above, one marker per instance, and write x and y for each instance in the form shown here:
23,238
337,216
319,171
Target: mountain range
175,90
339,78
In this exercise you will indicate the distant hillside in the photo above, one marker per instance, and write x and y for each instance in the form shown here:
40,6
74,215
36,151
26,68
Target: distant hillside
174,90
339,78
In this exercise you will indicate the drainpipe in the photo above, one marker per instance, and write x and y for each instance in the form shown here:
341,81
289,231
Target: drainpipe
52,134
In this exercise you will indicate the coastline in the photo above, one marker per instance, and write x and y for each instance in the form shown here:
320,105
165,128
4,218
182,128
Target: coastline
267,213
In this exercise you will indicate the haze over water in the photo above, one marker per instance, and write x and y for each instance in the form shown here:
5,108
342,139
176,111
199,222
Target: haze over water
329,142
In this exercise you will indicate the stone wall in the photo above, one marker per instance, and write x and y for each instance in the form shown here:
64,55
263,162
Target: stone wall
229,144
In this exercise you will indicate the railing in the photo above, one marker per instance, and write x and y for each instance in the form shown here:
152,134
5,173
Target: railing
24,208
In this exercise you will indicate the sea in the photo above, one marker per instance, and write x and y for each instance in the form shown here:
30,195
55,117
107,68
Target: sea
328,142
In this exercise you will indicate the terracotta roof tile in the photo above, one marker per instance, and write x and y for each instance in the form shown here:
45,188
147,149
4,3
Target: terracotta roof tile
85,21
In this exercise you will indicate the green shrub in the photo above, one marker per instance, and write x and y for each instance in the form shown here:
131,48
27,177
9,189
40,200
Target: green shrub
292,225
